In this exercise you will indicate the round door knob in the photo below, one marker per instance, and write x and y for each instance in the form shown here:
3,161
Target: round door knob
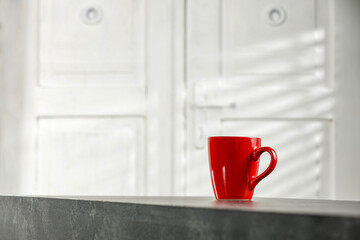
275,16
92,14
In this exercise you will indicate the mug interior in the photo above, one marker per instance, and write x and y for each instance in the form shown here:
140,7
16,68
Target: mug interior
237,137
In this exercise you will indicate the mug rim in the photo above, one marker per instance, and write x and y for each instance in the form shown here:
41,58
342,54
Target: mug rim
234,137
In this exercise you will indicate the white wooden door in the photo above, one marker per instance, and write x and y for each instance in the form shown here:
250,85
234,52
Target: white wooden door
262,68
90,117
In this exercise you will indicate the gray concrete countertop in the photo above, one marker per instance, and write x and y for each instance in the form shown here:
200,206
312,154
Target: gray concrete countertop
99,217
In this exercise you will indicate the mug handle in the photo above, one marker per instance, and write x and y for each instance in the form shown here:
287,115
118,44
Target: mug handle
256,156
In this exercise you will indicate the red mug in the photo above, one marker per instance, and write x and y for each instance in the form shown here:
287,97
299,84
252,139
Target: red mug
234,165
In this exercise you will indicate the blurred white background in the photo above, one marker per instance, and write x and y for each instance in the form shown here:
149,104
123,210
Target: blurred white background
117,97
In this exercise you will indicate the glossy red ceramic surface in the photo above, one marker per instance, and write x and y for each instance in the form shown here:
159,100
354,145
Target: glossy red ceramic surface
234,166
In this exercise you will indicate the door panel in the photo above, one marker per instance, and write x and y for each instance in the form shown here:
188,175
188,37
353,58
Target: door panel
272,37
83,43
74,154
303,149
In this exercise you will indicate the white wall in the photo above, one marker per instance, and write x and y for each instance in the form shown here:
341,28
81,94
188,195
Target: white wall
346,67
12,92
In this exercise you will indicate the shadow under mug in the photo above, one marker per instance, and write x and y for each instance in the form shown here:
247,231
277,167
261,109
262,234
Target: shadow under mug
234,165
